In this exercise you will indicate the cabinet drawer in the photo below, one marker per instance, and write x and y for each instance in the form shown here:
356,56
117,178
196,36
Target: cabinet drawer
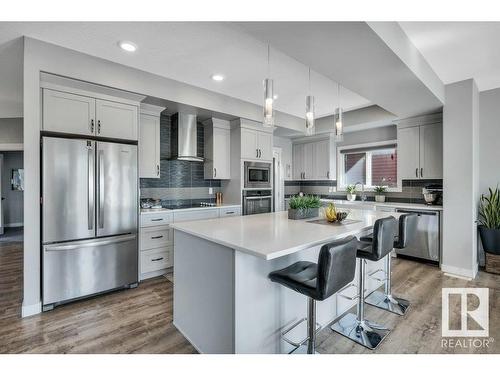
153,237
155,219
229,211
156,259
201,214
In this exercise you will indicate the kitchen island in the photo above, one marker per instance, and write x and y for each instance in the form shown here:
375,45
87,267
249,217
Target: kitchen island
223,299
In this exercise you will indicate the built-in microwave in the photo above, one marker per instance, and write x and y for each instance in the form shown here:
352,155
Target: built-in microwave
257,175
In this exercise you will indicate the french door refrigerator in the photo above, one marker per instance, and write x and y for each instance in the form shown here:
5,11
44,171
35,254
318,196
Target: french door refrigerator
89,218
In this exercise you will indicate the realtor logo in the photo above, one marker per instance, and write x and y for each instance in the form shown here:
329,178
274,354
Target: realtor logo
469,309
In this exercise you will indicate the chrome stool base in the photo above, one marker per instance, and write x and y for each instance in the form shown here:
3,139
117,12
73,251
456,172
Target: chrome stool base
302,350
363,332
388,302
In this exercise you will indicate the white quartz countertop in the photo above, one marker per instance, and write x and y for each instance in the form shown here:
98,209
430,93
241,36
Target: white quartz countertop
273,235
156,210
406,206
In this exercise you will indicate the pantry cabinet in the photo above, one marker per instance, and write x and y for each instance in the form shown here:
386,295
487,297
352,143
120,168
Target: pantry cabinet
149,141
217,163
66,112
420,152
313,160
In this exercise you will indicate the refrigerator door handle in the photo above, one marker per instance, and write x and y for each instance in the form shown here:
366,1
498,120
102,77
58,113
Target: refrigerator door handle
90,197
101,189
90,243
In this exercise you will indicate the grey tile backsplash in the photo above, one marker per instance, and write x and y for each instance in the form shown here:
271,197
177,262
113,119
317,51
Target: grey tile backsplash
411,190
179,180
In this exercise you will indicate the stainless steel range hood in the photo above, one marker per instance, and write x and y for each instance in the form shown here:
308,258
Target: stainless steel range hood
184,140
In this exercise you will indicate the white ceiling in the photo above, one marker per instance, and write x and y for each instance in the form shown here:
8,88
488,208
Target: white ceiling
189,52
459,50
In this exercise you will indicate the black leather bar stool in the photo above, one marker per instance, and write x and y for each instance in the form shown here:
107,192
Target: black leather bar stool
385,300
335,269
354,326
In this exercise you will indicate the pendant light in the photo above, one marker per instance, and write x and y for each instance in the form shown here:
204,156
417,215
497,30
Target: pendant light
309,110
268,95
338,121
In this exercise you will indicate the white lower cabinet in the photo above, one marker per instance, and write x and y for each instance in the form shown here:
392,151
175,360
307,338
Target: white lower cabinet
229,211
155,260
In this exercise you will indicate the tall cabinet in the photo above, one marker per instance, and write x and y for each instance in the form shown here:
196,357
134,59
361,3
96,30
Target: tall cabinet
217,163
420,148
149,141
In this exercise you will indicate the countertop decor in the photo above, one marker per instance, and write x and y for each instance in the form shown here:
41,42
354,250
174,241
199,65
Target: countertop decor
304,207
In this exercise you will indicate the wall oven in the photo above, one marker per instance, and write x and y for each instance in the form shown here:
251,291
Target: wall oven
257,175
257,201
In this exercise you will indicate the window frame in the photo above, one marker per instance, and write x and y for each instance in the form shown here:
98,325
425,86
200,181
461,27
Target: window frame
341,186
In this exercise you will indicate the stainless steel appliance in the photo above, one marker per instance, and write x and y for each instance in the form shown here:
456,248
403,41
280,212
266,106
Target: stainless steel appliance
258,175
89,218
184,137
427,243
257,202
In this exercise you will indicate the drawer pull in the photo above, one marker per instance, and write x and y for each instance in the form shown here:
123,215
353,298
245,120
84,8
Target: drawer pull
229,212
156,259
156,237
160,219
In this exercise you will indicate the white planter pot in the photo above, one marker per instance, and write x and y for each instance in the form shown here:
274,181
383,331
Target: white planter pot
351,197
380,198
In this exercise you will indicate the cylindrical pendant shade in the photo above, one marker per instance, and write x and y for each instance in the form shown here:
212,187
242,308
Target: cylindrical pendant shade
339,125
309,115
268,102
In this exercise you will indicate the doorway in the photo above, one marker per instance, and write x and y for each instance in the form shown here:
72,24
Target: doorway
12,196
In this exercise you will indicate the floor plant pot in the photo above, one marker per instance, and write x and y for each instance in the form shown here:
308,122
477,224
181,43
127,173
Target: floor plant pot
380,198
303,213
351,197
490,238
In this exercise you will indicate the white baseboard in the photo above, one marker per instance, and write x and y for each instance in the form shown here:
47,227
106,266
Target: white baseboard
29,310
461,273
13,225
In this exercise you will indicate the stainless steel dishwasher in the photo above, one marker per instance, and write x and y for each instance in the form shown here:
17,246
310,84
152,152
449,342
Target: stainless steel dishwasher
427,244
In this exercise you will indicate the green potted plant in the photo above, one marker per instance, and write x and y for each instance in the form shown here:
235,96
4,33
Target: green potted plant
303,207
380,193
489,228
351,192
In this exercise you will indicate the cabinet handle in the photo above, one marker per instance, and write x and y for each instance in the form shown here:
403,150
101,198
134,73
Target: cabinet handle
421,172
156,259
416,172
157,169
98,126
157,219
260,153
92,126
156,237
229,212
215,172
257,151
328,174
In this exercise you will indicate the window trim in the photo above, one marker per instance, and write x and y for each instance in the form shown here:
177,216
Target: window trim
341,186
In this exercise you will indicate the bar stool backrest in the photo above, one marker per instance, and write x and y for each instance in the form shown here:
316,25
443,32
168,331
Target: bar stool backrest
336,266
384,231
407,230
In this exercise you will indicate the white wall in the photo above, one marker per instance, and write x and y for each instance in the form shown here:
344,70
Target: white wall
13,203
460,178
489,135
11,130
286,154
386,133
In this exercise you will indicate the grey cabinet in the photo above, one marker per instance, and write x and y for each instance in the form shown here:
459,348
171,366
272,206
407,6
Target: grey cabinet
149,141
217,149
312,160
256,144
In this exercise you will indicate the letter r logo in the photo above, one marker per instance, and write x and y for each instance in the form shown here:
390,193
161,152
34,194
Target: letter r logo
478,315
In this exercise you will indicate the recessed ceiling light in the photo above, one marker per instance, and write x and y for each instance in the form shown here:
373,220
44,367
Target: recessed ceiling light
127,46
217,77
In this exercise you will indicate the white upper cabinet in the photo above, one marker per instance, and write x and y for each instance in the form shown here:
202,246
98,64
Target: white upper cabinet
265,146
431,151
249,144
312,160
420,152
409,153
217,149
149,141
72,113
116,120
68,113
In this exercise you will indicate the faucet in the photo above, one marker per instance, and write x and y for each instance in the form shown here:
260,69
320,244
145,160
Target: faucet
363,195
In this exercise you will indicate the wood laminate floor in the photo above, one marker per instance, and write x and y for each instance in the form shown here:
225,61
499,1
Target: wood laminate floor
140,320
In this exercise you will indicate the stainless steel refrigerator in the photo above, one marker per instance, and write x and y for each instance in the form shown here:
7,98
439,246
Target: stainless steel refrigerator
89,218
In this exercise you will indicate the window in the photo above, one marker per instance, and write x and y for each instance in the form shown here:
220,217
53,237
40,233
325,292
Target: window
371,165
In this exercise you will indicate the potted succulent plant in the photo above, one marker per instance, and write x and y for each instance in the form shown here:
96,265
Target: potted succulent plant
489,228
304,207
380,193
351,192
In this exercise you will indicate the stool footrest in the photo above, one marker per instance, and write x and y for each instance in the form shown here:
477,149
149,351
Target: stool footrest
351,285
289,329
373,273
